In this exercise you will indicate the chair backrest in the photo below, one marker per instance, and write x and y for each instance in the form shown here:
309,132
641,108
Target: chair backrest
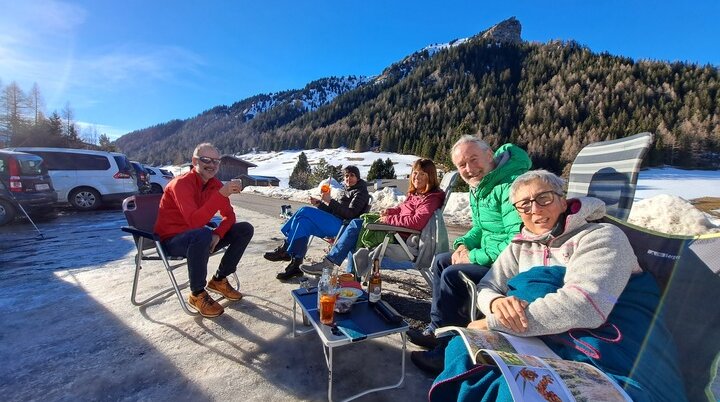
141,210
687,269
446,185
608,170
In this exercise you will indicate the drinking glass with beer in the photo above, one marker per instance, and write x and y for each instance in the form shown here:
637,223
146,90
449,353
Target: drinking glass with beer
327,307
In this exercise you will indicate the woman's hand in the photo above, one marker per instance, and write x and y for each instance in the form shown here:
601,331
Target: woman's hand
510,311
314,201
478,324
461,255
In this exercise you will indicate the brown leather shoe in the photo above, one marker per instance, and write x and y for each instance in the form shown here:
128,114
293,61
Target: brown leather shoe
205,305
224,288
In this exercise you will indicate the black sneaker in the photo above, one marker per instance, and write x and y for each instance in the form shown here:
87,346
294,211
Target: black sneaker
291,271
279,254
429,361
425,339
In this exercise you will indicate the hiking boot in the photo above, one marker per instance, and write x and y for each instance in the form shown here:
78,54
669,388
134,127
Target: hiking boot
205,305
279,254
317,268
291,271
430,361
224,288
425,338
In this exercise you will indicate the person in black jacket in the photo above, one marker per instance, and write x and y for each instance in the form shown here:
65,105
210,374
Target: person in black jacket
323,221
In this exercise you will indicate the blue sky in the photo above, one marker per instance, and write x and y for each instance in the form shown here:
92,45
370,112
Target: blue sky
126,65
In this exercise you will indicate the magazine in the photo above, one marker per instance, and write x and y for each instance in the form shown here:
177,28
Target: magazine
534,372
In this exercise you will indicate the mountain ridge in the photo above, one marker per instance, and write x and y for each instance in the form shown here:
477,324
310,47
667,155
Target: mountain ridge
550,98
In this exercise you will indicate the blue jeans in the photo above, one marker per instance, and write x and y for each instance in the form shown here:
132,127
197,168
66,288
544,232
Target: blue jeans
306,222
449,294
344,245
195,246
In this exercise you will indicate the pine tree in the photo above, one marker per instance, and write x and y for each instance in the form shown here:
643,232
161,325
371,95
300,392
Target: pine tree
376,170
389,170
300,176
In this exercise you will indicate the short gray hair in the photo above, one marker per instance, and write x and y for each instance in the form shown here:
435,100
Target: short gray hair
204,145
555,182
465,139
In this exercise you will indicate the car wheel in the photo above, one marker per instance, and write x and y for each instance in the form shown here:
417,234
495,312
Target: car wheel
7,212
156,189
85,199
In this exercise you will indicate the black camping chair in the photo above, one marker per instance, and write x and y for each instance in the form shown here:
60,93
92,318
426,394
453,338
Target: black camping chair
141,213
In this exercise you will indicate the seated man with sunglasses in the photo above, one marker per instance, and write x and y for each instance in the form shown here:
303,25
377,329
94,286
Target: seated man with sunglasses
187,205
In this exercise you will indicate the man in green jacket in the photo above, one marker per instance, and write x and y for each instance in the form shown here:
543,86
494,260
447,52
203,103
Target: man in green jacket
495,223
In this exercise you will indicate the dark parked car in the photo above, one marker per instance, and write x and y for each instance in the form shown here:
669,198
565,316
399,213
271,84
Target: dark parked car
24,180
141,175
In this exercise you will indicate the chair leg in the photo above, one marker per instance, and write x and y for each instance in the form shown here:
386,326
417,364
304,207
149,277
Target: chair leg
472,289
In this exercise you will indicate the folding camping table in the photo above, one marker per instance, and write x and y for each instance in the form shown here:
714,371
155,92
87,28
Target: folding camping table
360,324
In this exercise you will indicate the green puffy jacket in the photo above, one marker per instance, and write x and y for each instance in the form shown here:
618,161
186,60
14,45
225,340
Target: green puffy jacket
495,220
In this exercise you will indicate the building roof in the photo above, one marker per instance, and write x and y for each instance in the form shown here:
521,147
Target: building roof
235,158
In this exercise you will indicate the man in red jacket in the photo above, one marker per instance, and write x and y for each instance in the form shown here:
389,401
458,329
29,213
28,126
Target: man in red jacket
188,204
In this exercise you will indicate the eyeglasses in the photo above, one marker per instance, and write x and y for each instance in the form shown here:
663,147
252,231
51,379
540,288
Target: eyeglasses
207,161
543,199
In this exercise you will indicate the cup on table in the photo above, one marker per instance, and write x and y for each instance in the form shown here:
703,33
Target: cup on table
327,308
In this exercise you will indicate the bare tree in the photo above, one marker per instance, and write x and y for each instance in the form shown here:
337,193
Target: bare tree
69,128
36,102
13,104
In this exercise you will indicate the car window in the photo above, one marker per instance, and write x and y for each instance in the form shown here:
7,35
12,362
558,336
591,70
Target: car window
123,164
30,165
56,160
91,162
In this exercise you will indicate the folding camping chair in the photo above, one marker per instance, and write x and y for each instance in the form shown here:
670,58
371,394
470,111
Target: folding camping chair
608,170
141,213
433,240
687,269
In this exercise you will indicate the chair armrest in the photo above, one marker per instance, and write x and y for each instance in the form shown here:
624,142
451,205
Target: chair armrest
390,228
142,233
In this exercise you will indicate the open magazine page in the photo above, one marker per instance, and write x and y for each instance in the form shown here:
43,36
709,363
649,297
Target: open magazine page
533,379
533,371
477,340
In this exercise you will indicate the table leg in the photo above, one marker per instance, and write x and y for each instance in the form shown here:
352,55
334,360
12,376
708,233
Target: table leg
328,359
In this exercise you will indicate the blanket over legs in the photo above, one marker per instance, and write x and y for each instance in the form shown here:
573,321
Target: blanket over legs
614,347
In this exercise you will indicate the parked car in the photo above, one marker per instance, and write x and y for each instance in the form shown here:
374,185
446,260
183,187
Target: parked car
142,177
87,179
159,178
24,180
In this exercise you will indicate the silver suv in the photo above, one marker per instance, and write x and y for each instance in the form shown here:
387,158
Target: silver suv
87,179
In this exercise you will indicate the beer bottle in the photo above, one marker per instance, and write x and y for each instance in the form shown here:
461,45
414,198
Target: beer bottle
375,284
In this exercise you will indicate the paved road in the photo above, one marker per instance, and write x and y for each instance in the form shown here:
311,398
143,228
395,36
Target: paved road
271,206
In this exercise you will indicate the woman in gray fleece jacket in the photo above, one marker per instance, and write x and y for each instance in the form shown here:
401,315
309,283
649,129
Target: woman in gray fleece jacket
598,258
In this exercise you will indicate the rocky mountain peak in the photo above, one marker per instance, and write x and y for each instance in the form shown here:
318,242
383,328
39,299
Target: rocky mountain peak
507,31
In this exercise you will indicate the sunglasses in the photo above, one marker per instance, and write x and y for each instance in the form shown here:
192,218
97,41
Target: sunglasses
207,161
543,199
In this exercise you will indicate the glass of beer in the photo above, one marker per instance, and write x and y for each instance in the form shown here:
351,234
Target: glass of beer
327,306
